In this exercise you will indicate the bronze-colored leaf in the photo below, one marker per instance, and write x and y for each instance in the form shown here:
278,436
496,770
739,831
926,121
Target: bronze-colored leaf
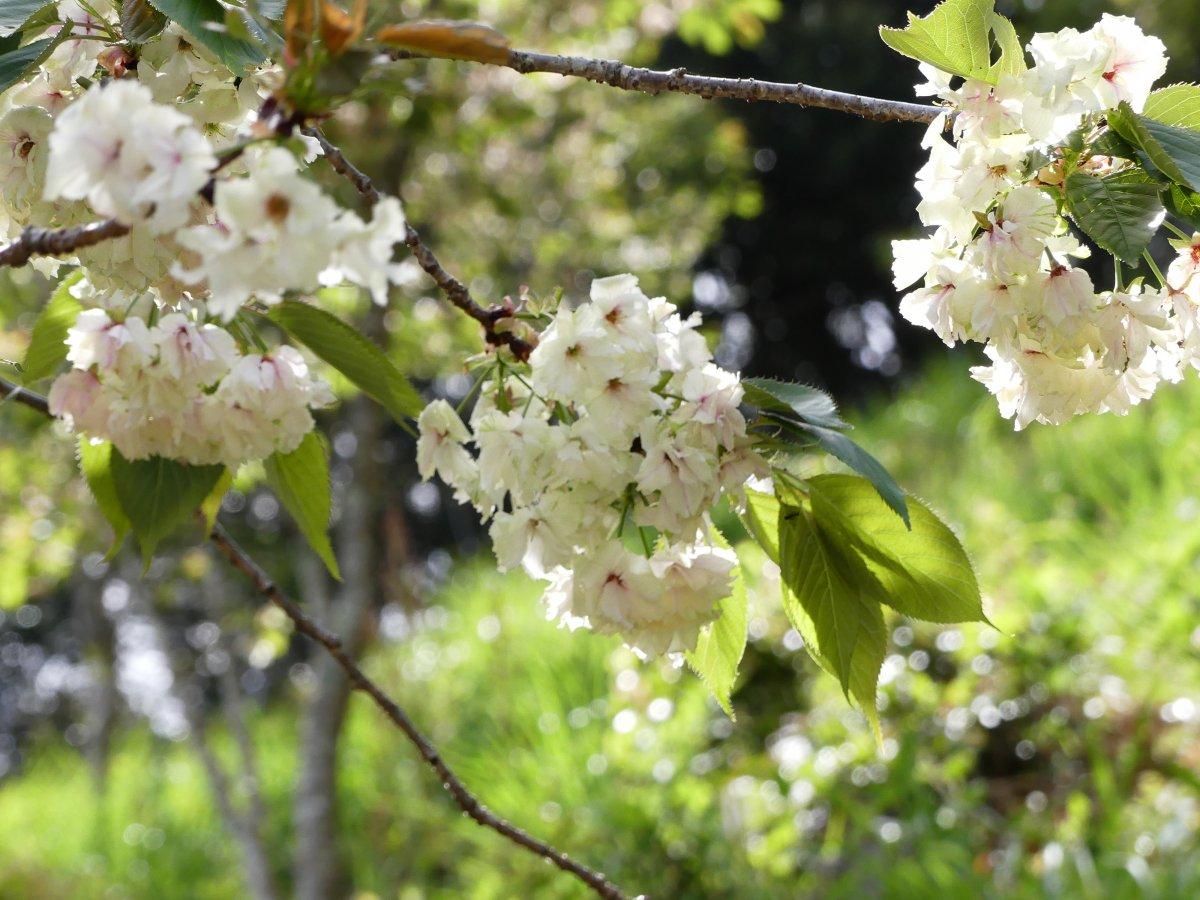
339,29
448,39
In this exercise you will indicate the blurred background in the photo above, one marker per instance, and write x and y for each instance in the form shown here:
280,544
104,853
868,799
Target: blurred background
168,736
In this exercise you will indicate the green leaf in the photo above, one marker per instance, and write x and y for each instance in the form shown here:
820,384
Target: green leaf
1118,212
1012,54
722,643
924,571
158,495
15,13
1184,204
204,20
140,21
16,62
351,354
211,506
1112,144
47,344
806,403
95,461
954,38
761,519
832,599
1174,151
1176,104
841,447
301,481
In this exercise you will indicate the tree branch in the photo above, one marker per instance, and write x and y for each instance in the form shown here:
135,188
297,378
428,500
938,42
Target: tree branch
679,81
456,292
36,241
466,801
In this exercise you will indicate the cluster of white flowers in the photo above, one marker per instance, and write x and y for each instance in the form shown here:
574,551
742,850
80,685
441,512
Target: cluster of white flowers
598,462
220,215
183,390
997,268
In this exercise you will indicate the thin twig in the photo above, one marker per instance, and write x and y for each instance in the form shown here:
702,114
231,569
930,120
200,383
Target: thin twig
679,81
456,292
36,241
466,801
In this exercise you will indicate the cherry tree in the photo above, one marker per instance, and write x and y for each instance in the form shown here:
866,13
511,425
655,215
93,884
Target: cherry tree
161,174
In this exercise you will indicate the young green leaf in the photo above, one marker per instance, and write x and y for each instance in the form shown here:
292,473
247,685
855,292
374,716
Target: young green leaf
351,354
833,600
211,506
47,344
841,447
301,481
1012,54
807,403
924,571
761,519
1176,104
954,37
158,495
204,20
95,460
16,61
722,643
1118,212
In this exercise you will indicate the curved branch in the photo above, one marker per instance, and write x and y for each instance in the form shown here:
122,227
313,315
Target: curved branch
466,801
36,241
456,292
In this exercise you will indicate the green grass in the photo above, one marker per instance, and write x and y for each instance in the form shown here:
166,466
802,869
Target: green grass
1031,761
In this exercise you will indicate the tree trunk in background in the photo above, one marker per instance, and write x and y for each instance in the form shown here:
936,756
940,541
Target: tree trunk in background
318,862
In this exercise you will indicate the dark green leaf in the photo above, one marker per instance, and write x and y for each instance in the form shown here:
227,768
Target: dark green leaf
47,344
301,481
833,600
204,20
1112,144
1184,204
1119,213
140,21
95,460
924,571
954,37
722,643
15,13
1174,151
1176,104
14,64
807,403
158,495
351,354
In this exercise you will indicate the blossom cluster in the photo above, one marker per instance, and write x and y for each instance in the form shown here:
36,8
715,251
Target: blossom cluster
186,153
998,267
597,464
183,390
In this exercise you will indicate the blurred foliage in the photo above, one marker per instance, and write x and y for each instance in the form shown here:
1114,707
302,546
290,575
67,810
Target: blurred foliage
1055,756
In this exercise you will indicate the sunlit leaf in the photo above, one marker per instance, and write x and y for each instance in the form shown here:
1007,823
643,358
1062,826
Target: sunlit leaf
954,37
722,643
1120,214
47,344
